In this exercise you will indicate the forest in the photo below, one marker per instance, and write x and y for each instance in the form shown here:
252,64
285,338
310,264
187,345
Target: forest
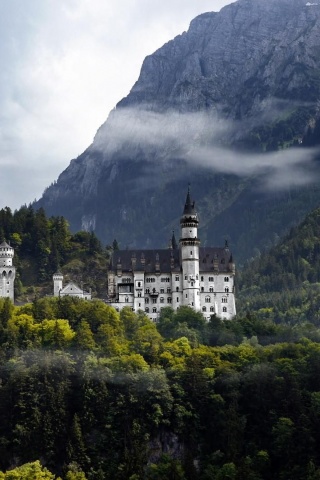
90,393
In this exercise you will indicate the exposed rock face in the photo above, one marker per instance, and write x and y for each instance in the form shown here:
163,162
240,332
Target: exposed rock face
249,65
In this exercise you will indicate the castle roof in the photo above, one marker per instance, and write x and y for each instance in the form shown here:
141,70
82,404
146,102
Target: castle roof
189,207
168,260
5,245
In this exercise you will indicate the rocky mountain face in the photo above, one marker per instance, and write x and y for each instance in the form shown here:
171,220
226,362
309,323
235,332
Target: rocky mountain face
225,106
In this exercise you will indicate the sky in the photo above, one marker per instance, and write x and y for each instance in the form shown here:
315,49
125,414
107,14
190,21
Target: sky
65,65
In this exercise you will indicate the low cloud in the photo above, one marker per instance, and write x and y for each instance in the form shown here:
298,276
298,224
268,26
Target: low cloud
200,139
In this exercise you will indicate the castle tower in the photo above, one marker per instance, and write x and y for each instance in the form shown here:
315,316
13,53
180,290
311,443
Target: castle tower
57,283
7,271
189,245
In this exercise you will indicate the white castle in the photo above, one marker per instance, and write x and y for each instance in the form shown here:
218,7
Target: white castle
199,277
7,271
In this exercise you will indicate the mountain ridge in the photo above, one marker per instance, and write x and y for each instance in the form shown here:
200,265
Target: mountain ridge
241,81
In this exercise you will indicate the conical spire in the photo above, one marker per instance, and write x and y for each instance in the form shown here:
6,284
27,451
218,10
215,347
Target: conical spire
189,207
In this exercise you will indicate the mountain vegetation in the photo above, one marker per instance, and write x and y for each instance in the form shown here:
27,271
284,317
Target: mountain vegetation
283,283
44,245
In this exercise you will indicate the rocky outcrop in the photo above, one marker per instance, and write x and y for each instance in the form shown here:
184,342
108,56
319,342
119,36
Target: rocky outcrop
252,64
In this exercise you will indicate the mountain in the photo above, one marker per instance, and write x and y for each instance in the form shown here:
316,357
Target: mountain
225,106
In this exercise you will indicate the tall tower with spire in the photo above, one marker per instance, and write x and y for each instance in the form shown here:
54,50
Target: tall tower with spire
7,271
189,246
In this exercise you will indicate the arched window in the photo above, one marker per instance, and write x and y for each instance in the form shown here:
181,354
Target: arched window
211,279
147,309
211,289
211,309
224,309
161,300
202,289
147,290
226,279
139,294
146,300
208,299
154,310
177,289
226,289
204,309
126,299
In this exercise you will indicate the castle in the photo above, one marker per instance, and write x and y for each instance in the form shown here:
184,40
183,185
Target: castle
7,272
148,280
199,277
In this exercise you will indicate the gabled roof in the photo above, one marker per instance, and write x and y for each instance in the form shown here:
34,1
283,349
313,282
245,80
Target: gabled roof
72,289
147,260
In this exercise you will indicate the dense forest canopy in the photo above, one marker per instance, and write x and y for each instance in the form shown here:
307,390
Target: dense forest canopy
97,394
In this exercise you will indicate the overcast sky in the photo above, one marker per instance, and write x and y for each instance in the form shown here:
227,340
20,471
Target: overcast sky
64,65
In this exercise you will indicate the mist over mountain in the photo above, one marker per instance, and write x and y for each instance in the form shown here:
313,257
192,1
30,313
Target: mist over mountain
226,106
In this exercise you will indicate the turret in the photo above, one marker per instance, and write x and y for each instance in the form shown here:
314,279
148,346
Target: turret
189,245
57,283
7,272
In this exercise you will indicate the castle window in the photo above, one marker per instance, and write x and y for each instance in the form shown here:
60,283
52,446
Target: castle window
147,300
154,300
177,278
169,300
204,309
126,299
201,278
226,289
226,279
211,289
147,309
161,300
224,309
177,289
177,299
202,289
154,310
161,290
139,294
211,309
185,277
168,290
139,284
192,284
224,300
147,290
211,279
186,295
191,252
208,299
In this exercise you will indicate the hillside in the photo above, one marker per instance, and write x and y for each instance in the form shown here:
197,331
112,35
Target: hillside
43,245
284,282
217,106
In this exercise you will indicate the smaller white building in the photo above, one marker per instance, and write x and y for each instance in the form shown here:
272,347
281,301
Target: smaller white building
7,271
69,290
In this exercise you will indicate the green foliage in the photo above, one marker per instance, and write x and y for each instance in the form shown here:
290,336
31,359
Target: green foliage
100,395
42,245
